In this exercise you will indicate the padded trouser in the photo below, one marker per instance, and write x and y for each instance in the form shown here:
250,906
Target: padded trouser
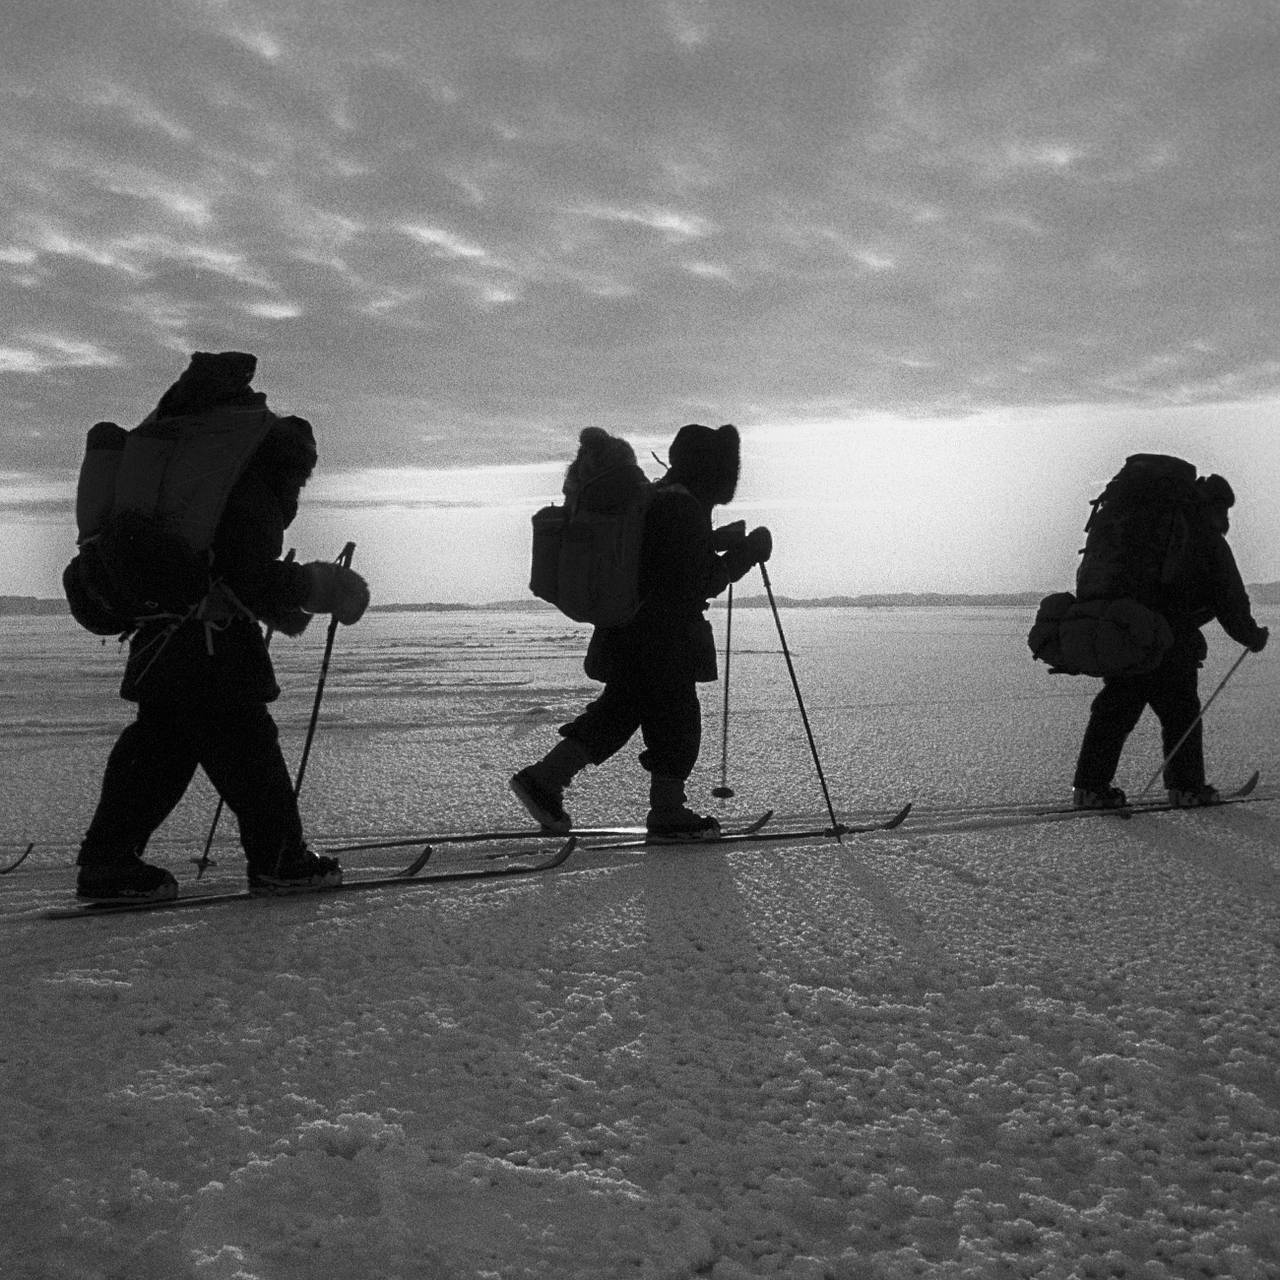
665,710
155,758
1172,692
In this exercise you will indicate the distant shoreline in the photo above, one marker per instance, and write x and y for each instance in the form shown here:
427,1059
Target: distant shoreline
927,599
1263,593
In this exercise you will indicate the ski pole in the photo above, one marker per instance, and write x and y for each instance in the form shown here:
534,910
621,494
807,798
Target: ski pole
724,790
836,829
1164,764
344,559
204,861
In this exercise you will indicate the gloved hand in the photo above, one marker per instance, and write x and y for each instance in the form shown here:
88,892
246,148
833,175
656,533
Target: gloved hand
1260,640
291,622
335,589
748,551
760,545
728,536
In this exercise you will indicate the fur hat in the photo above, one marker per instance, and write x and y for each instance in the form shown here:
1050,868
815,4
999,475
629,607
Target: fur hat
1217,492
706,459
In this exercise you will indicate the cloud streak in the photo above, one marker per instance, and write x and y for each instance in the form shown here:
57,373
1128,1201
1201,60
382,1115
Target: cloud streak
453,236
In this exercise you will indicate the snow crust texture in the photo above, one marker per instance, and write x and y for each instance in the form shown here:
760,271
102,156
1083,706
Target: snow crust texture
1046,1051
805,1062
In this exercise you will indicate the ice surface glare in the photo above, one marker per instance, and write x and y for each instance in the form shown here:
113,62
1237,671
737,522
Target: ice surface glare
1034,1051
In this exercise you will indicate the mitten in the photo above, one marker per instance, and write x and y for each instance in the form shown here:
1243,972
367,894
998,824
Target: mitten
335,589
728,536
1260,638
760,544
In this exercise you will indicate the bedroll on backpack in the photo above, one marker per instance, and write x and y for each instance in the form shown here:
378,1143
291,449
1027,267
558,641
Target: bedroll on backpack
1098,637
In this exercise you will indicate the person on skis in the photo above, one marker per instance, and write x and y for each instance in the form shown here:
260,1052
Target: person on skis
202,677
1208,586
652,665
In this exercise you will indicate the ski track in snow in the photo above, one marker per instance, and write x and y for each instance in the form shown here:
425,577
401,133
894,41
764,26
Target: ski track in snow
1049,1051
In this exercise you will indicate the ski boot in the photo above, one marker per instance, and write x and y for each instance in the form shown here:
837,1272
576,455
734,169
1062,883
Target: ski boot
1098,798
299,871
543,803
124,880
1194,797
670,820
540,787
678,826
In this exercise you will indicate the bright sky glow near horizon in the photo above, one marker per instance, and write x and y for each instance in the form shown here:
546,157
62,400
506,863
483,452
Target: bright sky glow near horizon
944,262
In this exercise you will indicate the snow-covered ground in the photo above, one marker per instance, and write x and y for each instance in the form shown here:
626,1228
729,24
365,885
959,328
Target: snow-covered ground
1047,1050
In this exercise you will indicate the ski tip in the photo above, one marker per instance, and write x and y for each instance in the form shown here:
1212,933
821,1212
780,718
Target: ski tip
561,853
763,820
419,862
898,818
22,857
841,829
857,830
1248,787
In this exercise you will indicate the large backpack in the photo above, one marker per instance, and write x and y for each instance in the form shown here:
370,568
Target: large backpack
1138,535
1136,542
586,550
148,503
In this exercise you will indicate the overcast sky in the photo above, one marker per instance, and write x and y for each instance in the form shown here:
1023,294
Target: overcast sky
945,263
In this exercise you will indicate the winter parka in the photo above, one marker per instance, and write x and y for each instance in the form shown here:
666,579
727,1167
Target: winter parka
1211,588
680,571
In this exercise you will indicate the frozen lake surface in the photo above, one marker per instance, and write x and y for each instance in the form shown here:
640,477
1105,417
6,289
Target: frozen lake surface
426,715
959,1049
